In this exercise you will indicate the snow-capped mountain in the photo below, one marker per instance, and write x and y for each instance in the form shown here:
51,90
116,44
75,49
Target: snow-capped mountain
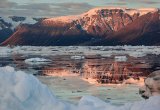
98,26
106,19
9,24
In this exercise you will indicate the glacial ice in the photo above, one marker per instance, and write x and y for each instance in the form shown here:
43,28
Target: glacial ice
21,91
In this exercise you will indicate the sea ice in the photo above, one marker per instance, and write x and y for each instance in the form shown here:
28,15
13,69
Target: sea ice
137,51
21,91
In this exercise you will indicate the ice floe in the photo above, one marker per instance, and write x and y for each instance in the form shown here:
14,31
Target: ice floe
77,57
120,58
35,61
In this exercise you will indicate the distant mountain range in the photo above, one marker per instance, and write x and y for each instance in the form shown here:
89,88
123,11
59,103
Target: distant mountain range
9,24
99,26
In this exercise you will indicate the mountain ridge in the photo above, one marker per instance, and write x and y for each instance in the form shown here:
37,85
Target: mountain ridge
98,26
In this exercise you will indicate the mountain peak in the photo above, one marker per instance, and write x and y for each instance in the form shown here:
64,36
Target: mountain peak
99,10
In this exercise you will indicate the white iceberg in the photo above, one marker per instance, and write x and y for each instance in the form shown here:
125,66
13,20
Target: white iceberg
137,54
21,91
36,61
120,58
76,57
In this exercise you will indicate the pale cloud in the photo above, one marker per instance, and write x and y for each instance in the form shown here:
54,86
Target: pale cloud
43,9
117,3
48,8
142,1
7,4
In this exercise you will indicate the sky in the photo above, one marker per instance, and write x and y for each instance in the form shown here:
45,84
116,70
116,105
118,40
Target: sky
52,8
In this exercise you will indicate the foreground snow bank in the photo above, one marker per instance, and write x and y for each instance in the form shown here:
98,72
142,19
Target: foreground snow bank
20,91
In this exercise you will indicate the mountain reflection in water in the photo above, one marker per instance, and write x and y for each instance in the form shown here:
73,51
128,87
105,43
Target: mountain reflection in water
103,69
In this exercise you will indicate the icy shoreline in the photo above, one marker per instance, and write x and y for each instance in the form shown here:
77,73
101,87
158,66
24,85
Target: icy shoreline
20,91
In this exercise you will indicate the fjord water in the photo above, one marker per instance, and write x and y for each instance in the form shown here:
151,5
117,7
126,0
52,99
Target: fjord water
38,60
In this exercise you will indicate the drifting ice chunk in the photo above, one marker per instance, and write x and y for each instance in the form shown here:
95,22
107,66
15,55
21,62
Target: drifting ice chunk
35,61
137,54
77,57
120,58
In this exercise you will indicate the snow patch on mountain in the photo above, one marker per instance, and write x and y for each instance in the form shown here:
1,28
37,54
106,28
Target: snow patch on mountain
95,11
66,19
140,11
14,24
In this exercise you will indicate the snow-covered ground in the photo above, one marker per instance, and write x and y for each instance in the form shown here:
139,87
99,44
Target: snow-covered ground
135,51
21,91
